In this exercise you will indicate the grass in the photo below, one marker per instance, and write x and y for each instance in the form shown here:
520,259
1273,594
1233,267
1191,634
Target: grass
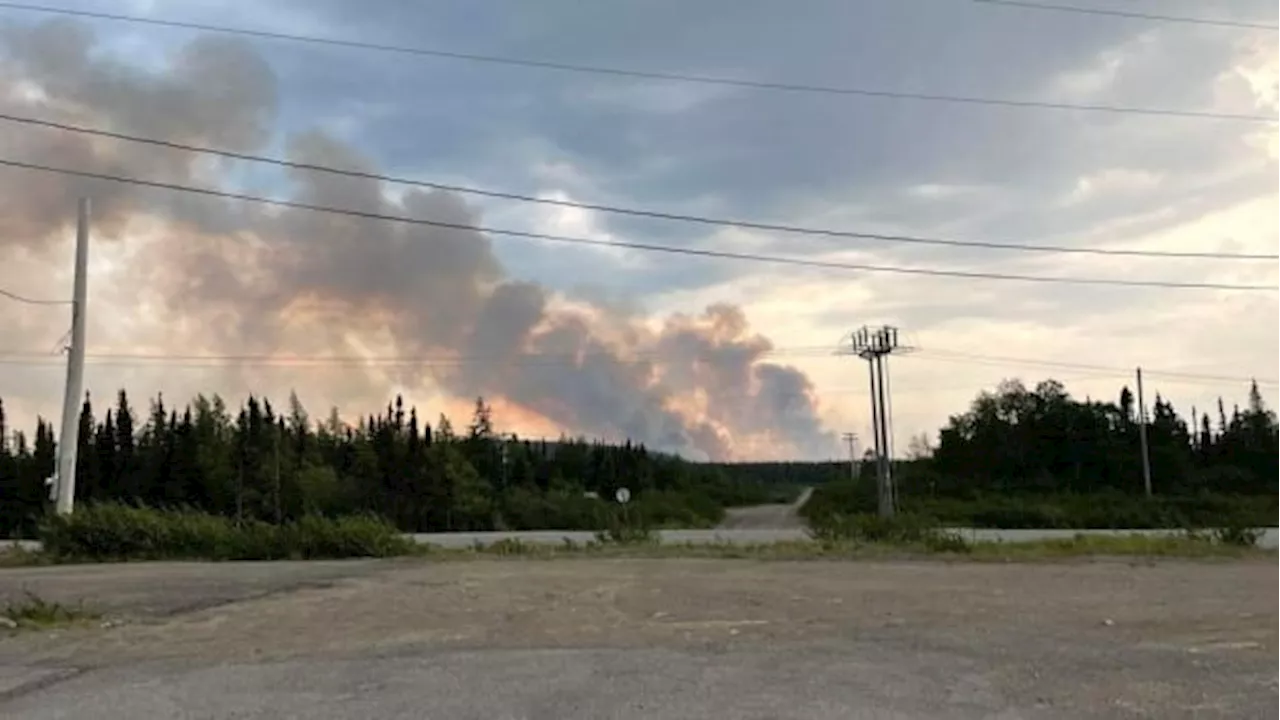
1060,511
1173,546
122,532
15,555
1080,546
36,613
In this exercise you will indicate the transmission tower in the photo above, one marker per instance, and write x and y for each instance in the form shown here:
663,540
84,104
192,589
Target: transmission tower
875,345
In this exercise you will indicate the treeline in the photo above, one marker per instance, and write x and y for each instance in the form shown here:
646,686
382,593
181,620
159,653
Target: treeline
1017,440
264,464
1037,458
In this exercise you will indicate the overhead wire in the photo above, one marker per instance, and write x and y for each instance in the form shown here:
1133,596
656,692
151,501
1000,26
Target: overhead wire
635,73
1001,361
635,212
569,358
1129,14
144,359
647,247
31,301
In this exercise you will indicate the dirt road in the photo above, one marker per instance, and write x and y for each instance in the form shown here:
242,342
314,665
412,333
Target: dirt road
659,639
767,517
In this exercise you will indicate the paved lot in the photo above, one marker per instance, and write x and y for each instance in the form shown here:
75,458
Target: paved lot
595,639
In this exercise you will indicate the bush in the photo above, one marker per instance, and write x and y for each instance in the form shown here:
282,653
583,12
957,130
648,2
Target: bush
901,529
508,546
942,541
344,537
525,509
1237,535
626,527
1100,510
840,498
123,532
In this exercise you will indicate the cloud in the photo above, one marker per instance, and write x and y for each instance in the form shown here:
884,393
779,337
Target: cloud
290,281
956,171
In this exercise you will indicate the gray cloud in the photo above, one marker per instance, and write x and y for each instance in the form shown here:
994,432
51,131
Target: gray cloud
246,280
838,162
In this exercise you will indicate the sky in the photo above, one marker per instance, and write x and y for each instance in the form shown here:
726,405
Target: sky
708,357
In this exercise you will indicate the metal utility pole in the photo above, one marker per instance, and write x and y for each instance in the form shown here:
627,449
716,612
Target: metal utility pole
69,439
852,439
875,345
1142,437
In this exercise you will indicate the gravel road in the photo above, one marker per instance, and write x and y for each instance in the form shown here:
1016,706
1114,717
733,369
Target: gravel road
596,639
785,516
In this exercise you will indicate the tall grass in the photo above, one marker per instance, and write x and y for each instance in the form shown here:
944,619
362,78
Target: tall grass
903,530
1074,512
123,532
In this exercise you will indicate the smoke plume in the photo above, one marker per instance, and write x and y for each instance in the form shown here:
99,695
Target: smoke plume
231,278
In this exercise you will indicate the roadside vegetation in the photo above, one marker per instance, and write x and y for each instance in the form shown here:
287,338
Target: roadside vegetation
110,532
1108,510
262,484
261,465
33,612
114,533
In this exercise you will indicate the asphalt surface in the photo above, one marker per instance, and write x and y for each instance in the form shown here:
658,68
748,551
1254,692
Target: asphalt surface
596,639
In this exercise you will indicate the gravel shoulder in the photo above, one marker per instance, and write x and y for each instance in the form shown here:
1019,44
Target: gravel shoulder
653,638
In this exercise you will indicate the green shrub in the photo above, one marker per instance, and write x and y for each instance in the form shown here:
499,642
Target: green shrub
901,529
124,532
508,546
840,498
525,509
351,536
624,526
1109,510
942,541
35,611
1237,535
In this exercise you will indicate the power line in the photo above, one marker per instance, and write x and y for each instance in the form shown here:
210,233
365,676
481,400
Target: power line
136,359
213,362
143,360
647,247
31,301
1128,14
745,224
953,356
644,74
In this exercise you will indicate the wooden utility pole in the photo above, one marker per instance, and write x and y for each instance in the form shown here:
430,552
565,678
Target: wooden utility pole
1142,437
69,439
852,439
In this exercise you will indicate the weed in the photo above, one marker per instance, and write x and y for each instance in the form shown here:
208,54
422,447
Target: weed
902,530
1237,536
510,546
123,532
34,611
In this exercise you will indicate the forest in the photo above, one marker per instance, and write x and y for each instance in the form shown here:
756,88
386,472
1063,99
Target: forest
1036,457
1018,457
273,465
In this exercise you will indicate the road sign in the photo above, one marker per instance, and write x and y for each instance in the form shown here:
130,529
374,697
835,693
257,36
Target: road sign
623,496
